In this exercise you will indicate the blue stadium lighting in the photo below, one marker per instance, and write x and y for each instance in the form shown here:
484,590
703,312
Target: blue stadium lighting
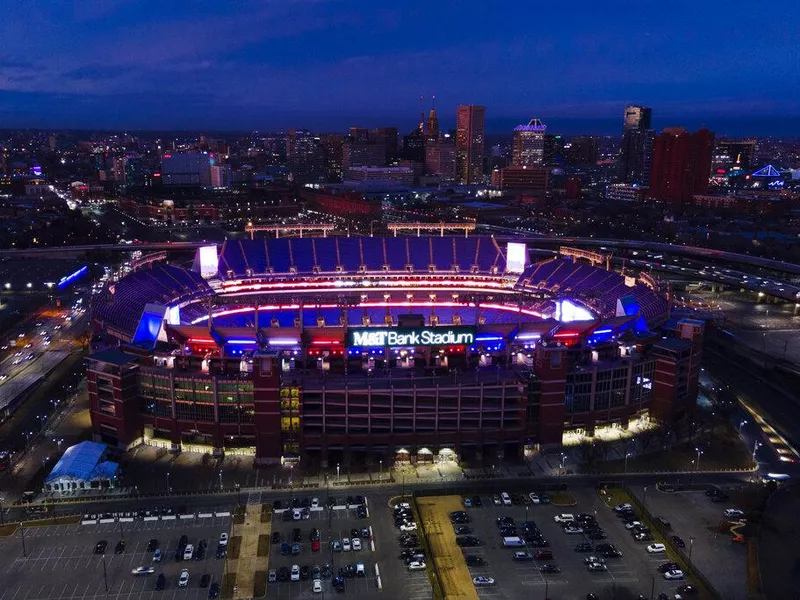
242,342
65,281
488,338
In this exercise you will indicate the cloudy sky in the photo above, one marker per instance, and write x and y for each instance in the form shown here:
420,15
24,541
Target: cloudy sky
327,64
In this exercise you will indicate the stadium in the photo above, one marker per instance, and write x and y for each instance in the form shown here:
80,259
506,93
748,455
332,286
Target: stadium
326,350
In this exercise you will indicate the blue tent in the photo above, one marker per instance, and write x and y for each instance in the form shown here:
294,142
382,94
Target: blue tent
83,463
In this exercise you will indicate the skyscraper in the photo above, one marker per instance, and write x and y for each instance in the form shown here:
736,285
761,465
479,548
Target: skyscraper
637,117
305,155
187,169
469,142
681,164
636,151
527,146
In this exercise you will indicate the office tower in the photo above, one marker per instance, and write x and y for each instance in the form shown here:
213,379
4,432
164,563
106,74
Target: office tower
637,117
432,123
386,137
583,150
527,145
521,177
305,155
681,164
636,151
359,134
187,169
553,149
469,142
441,157
333,149
221,176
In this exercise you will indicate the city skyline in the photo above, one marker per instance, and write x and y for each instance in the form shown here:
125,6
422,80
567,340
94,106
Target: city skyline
120,65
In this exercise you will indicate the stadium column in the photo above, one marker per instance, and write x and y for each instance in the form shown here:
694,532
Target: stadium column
267,417
550,365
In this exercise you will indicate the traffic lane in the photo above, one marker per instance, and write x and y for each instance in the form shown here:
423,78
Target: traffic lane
61,563
693,516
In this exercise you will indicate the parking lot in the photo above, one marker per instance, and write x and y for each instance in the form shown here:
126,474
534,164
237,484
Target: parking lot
635,571
59,562
692,514
335,523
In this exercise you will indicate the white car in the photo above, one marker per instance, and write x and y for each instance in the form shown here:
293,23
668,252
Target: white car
297,514
143,571
481,580
571,529
295,573
346,545
623,507
564,518
188,552
656,548
356,543
633,524
316,586
402,506
183,580
410,526
534,498
223,539
315,503
673,574
734,513
416,565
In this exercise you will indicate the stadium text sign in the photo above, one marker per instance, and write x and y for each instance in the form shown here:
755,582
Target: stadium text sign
410,336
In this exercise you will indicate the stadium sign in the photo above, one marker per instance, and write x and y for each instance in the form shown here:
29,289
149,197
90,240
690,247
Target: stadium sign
373,337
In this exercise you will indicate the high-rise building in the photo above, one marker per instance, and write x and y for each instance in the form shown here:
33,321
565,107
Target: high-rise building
221,176
305,155
441,157
637,117
527,145
333,148
553,150
386,138
470,122
636,151
187,169
517,177
681,164
583,150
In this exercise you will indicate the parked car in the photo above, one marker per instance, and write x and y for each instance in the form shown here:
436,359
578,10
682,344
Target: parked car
183,578
474,561
523,556
678,541
482,580
656,549
673,575
142,571
669,566
549,568
161,582
416,566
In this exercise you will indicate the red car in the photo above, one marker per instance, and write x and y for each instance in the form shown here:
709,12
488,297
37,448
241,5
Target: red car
315,546
543,555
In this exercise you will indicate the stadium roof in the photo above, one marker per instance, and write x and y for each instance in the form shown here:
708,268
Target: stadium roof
83,462
113,356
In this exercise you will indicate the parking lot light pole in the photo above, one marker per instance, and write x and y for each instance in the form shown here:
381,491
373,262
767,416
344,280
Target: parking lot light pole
22,536
699,453
105,573
380,476
691,545
644,497
741,424
338,472
220,480
168,482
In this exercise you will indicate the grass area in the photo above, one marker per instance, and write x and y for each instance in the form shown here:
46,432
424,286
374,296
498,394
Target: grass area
53,521
238,515
562,499
614,496
228,581
234,547
8,529
450,569
259,584
263,545
266,513
722,449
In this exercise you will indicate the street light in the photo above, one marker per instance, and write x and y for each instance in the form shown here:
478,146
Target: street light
338,472
699,453
168,489
220,480
741,424
380,462
691,545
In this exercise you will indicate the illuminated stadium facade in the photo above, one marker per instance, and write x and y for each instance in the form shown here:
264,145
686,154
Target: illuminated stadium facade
398,348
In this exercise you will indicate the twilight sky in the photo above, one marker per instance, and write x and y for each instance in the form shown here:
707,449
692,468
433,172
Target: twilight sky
328,64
